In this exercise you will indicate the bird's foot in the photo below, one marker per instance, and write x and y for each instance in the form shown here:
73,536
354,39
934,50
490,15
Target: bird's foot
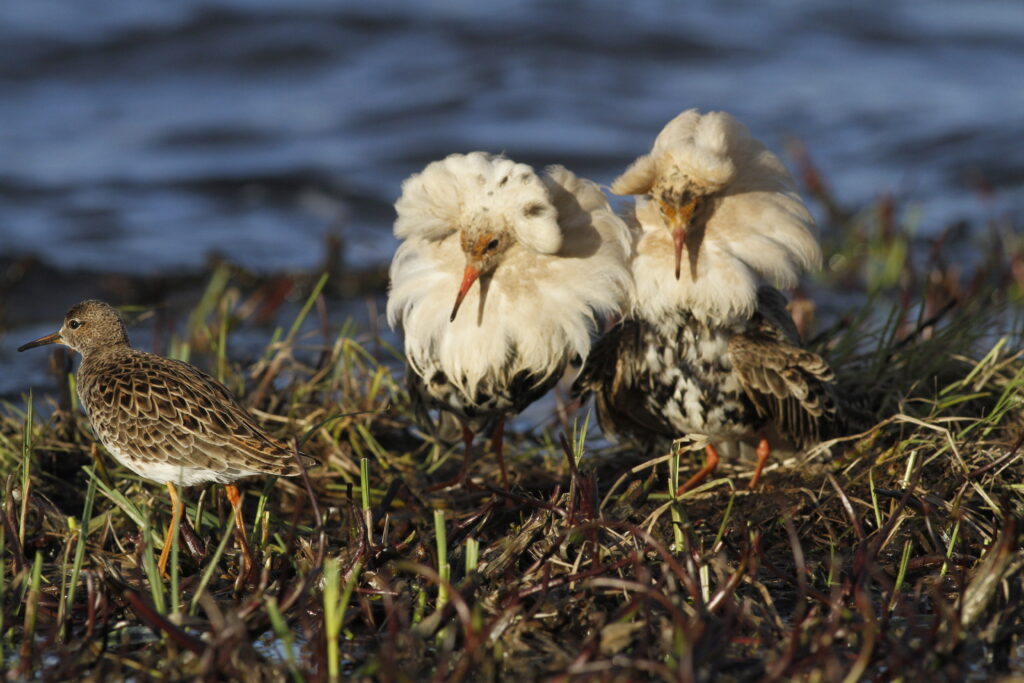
764,451
709,466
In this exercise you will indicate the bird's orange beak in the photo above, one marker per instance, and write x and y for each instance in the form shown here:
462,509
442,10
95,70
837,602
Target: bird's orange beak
679,218
679,238
42,341
469,276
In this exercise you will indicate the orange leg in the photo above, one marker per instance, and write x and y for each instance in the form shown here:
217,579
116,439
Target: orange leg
498,444
235,497
176,509
709,466
764,451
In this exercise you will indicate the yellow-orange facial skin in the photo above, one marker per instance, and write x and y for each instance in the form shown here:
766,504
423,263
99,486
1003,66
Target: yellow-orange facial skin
678,217
483,251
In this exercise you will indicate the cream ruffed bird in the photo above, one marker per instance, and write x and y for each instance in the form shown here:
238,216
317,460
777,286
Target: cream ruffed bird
708,347
499,282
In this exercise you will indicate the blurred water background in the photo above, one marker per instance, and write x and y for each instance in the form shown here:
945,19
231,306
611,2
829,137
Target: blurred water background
140,136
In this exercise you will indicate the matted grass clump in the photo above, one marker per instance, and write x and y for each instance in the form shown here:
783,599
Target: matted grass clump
895,552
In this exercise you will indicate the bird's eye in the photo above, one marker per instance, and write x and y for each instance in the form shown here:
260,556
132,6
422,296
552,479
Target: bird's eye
74,324
492,245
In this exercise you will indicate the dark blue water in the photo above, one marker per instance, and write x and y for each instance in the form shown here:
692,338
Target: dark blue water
141,135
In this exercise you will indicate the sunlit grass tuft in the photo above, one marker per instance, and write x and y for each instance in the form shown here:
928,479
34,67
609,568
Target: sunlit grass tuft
894,547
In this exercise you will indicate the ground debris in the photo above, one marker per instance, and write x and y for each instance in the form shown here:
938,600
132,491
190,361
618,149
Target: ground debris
895,548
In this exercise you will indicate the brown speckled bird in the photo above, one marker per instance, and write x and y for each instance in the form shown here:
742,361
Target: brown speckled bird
708,348
165,420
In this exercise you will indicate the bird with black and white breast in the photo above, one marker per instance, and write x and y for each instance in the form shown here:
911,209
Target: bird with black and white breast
499,283
708,348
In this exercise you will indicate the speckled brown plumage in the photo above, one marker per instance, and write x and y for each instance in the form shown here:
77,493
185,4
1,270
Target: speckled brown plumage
164,419
156,413
789,386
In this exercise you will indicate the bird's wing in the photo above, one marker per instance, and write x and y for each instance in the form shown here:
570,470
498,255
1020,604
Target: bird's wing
786,383
609,373
166,411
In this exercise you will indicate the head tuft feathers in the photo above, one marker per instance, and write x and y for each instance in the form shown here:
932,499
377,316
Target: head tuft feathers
463,190
540,308
757,230
692,149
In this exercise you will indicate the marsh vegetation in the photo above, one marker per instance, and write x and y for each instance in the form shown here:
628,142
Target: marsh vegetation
895,552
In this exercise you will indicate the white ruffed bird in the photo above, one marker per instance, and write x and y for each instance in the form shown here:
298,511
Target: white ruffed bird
708,348
498,284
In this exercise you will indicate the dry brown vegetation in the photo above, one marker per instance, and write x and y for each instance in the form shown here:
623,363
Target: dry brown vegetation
894,553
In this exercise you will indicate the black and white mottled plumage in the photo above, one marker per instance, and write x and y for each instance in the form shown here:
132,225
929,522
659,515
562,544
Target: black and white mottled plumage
655,383
708,347
529,262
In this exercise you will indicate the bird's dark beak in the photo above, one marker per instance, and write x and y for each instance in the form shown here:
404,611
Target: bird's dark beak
469,276
42,341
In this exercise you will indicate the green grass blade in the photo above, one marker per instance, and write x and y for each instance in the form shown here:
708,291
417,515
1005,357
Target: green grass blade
83,535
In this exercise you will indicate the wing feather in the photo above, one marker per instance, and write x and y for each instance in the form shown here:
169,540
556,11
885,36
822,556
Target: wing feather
788,384
171,412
